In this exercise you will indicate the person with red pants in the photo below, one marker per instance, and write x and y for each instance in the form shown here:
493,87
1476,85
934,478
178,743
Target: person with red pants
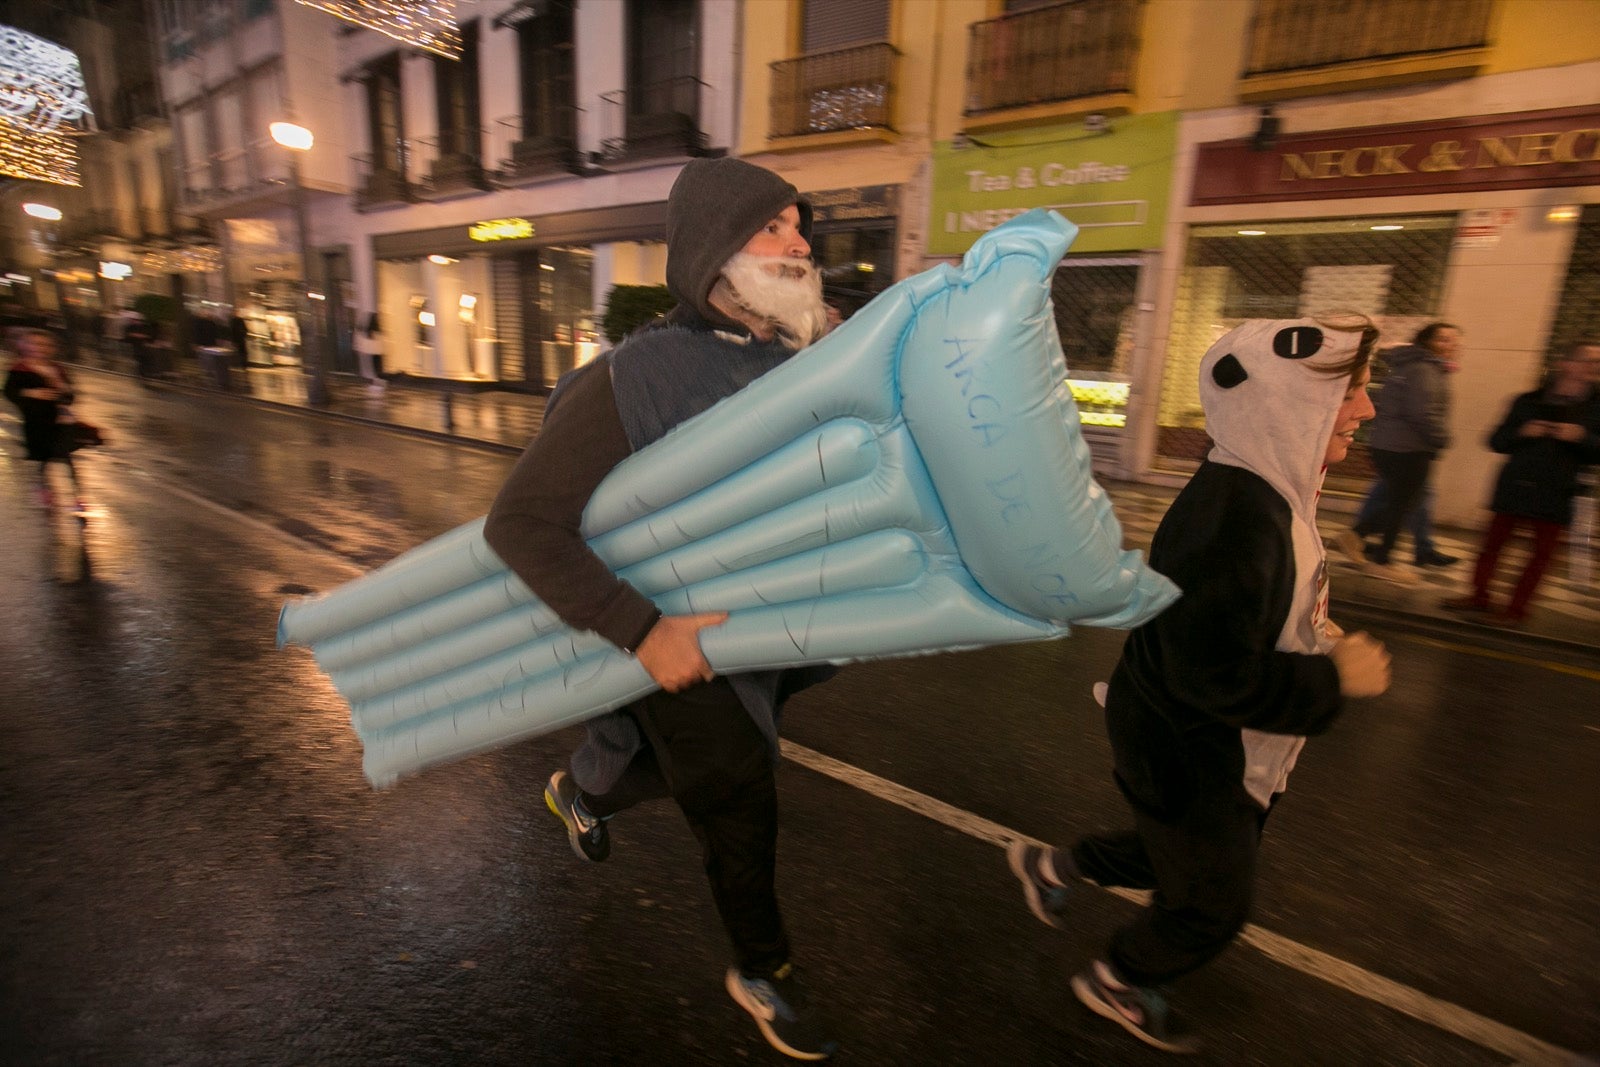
1550,435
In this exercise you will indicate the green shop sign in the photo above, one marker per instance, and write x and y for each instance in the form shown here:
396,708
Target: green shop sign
1113,185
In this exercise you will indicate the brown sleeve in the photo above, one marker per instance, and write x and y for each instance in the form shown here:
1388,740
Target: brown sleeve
534,523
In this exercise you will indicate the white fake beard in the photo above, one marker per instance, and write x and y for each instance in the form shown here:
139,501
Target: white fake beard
782,291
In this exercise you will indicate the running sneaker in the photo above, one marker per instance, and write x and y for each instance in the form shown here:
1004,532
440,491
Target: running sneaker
1353,545
588,834
1047,899
1141,1011
780,1008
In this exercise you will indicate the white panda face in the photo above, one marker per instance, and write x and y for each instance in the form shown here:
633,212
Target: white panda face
1299,341
1274,394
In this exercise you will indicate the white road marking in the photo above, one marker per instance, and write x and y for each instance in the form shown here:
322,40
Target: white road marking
1521,1048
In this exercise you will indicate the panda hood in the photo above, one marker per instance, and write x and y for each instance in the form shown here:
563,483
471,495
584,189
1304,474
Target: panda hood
1269,408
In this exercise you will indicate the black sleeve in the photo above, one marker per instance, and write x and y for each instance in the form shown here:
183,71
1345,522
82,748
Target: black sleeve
1213,652
1507,436
15,386
534,522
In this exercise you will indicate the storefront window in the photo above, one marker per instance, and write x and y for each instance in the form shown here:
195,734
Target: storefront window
558,302
1578,316
1094,301
1391,269
856,264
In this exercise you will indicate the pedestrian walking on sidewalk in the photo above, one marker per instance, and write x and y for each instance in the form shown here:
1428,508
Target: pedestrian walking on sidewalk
1208,708
1549,435
1411,428
749,297
40,387
369,354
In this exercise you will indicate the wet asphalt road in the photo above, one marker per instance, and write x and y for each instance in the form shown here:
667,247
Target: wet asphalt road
193,870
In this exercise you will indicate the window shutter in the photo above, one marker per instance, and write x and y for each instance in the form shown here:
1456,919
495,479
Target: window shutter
833,24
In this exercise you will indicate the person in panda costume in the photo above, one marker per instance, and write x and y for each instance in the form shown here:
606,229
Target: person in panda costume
1212,700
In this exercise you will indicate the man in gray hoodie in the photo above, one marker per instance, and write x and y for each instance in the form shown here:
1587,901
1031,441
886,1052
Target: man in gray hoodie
1412,428
749,298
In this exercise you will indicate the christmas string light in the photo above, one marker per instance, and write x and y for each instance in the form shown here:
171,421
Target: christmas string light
41,96
196,259
427,24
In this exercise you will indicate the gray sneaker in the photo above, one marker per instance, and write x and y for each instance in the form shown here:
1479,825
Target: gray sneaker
1045,899
1141,1011
588,834
780,1008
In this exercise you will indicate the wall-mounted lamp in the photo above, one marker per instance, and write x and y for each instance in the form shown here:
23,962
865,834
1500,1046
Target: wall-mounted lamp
1564,213
1266,135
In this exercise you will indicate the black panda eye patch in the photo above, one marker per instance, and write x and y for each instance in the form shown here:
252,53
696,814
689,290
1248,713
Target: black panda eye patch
1297,342
1228,371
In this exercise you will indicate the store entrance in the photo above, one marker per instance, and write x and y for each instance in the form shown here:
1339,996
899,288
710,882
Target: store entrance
1096,302
556,295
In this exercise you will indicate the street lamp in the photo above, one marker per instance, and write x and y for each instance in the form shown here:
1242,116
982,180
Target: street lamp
298,139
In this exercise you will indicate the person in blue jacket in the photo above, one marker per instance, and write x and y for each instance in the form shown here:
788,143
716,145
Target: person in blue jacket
1211,702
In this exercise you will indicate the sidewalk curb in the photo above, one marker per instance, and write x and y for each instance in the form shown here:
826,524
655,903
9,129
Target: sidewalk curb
191,389
1365,609
1436,625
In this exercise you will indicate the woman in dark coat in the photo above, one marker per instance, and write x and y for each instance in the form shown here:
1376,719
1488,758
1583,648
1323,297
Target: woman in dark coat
1550,435
41,389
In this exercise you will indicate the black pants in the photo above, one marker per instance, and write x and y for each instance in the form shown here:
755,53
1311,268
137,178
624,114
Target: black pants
1404,474
1202,867
705,752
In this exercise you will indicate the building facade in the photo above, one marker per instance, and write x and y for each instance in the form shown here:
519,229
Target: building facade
498,197
120,234
1221,160
228,70
1413,169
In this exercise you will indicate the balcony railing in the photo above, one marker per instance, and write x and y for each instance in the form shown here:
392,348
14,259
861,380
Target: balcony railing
658,120
452,172
381,185
132,104
92,227
1049,54
1300,34
850,89
540,149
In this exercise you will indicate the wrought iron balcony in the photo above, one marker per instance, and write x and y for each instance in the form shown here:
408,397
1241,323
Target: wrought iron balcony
850,89
454,171
1047,54
380,185
1289,35
658,120
541,148
133,104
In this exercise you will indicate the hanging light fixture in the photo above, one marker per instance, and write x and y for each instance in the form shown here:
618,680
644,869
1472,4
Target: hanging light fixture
427,24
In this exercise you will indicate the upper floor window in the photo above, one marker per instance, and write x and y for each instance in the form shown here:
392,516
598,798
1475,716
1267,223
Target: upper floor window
456,86
662,57
385,123
830,24
545,51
